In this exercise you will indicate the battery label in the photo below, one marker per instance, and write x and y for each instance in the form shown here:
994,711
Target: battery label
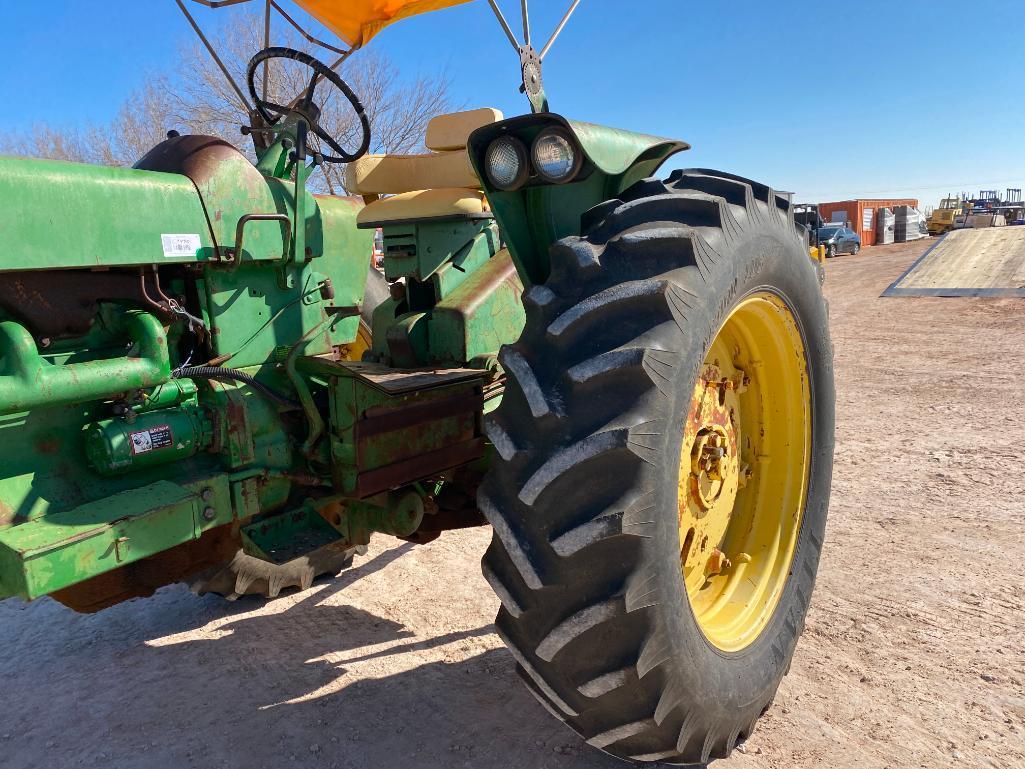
154,438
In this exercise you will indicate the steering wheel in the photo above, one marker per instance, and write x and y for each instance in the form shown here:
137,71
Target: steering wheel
304,106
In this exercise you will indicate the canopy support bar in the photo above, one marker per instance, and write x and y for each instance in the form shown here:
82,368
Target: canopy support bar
531,60
219,3
310,38
210,48
266,44
558,29
269,5
526,25
505,25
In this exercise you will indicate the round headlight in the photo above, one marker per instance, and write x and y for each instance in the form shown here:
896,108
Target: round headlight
555,156
506,163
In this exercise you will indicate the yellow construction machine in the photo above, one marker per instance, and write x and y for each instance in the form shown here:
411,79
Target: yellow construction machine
949,216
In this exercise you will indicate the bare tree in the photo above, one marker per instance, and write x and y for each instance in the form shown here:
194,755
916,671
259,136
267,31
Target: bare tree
196,98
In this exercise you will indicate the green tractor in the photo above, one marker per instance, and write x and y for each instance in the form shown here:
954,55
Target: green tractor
629,378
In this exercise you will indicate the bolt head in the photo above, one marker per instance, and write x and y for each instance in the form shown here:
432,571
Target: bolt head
718,562
209,514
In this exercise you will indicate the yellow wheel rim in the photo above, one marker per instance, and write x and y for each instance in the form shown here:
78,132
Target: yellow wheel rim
744,471
354,350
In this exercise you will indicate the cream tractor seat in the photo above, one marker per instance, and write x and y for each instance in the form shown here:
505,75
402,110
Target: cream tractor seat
437,185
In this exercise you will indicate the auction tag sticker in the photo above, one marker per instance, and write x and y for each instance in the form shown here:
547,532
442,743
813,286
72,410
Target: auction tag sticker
153,438
177,246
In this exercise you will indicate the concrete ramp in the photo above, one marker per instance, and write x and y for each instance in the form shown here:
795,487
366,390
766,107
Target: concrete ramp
974,262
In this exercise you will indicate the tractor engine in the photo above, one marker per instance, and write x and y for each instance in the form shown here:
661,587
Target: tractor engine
172,389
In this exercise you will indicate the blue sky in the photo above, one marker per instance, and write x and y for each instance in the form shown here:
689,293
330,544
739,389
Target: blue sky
830,100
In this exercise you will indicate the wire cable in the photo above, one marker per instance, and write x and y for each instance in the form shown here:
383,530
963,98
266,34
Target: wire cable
235,375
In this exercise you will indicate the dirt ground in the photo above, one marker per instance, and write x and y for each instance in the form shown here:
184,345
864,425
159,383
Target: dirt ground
913,654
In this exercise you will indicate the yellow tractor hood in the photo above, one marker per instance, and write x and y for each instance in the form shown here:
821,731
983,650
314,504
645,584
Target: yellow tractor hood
357,21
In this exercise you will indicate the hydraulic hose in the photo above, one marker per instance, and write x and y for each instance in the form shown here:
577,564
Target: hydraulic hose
235,375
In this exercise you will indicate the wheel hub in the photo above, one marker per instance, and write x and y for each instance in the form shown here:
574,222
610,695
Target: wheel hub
713,475
713,464
744,471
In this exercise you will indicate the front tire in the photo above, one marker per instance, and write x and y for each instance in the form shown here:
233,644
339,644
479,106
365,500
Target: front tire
856,249
602,472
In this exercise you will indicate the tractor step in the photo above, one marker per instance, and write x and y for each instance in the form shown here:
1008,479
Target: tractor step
286,536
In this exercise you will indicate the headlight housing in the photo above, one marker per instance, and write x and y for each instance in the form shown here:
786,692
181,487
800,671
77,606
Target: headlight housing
557,159
505,163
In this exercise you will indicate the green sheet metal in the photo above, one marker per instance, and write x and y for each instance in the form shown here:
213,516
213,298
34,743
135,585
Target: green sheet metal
254,316
51,553
615,152
61,215
536,215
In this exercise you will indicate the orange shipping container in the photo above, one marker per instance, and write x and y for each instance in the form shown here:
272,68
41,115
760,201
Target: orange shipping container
861,214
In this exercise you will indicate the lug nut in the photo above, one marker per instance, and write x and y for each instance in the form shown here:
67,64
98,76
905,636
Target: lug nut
717,562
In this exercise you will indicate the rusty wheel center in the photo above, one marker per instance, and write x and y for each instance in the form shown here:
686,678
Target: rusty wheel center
710,476
713,464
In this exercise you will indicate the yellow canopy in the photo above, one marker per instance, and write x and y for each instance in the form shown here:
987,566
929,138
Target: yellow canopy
356,21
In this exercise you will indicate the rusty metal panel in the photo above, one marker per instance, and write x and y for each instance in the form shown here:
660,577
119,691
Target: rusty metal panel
418,467
392,426
395,381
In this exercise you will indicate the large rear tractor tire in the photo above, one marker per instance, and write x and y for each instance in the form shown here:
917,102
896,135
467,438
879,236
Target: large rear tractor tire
665,450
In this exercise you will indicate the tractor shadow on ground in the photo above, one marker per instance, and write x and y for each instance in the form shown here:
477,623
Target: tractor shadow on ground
180,682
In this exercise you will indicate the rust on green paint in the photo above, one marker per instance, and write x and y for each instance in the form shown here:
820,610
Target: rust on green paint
115,448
